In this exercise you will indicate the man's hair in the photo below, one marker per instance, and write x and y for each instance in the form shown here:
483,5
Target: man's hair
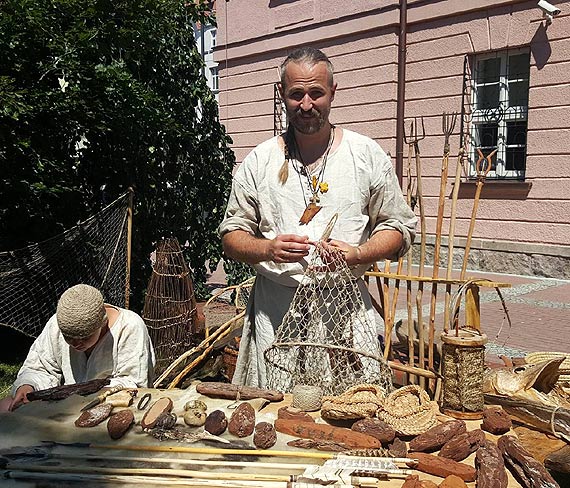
310,56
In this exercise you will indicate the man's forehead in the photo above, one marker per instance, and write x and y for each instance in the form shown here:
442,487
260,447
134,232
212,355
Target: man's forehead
306,73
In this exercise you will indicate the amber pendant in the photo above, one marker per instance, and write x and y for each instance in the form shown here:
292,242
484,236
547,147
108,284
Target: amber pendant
311,210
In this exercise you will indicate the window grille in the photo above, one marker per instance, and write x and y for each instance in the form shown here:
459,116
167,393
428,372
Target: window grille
279,112
495,111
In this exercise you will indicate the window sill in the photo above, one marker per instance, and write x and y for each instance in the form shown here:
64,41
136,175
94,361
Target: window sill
496,189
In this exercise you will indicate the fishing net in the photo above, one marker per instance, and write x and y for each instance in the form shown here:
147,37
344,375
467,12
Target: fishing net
93,252
327,339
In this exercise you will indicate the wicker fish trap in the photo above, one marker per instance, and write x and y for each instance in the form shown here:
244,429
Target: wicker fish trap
326,338
170,311
409,410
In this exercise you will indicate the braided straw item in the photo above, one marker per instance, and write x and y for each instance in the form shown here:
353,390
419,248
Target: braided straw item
538,357
409,410
358,402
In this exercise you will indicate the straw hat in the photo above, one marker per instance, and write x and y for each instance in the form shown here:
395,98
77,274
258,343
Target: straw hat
80,311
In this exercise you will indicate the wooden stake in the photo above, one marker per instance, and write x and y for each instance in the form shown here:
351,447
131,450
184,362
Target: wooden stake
215,451
84,478
222,330
451,237
129,245
289,467
420,292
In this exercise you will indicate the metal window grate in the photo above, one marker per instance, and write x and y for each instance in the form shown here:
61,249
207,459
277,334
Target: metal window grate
495,110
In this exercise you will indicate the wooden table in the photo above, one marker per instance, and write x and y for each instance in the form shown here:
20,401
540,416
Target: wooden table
54,421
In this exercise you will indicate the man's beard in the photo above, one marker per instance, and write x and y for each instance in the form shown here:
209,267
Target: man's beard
310,125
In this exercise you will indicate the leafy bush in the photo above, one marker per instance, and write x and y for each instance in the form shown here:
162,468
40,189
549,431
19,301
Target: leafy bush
97,96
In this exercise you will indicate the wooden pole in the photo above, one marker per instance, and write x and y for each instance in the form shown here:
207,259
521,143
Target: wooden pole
481,175
451,237
419,294
178,473
129,245
409,263
221,330
89,479
215,451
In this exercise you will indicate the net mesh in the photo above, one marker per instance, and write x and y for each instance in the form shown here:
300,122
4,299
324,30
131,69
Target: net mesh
170,311
327,339
93,252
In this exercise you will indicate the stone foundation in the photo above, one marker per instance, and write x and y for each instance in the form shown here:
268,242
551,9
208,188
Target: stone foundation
504,257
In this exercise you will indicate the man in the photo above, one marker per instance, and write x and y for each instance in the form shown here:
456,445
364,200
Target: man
85,339
285,193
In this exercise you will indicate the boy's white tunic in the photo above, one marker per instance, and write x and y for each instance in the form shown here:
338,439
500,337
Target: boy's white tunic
125,352
362,189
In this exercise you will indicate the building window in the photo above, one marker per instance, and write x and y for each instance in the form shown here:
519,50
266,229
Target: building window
495,106
215,79
212,39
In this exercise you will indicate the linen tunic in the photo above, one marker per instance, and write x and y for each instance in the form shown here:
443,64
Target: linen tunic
125,353
362,189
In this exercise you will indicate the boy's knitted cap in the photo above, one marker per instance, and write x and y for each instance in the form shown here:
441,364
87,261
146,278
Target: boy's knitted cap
80,311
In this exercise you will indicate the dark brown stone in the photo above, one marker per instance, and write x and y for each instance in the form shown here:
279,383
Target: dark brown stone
376,428
242,421
293,413
490,466
462,445
443,467
216,423
398,448
437,436
496,421
94,416
264,435
119,423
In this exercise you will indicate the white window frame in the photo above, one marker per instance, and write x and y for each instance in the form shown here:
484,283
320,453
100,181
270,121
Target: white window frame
501,115
215,79
213,33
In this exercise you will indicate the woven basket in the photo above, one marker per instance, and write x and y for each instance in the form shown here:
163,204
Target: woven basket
538,357
360,401
229,359
409,410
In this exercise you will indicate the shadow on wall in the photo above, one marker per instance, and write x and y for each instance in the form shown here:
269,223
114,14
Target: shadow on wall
540,47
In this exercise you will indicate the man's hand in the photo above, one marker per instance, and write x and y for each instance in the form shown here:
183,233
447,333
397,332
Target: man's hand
351,253
21,396
288,248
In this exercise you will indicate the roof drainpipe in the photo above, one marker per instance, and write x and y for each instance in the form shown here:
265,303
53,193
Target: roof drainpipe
401,91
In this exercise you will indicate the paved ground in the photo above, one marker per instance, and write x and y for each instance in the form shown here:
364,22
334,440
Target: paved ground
539,310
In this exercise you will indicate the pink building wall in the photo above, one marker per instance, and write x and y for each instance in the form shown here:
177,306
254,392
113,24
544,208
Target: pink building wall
521,226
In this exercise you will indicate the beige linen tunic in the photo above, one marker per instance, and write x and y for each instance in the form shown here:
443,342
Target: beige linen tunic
363,190
125,352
